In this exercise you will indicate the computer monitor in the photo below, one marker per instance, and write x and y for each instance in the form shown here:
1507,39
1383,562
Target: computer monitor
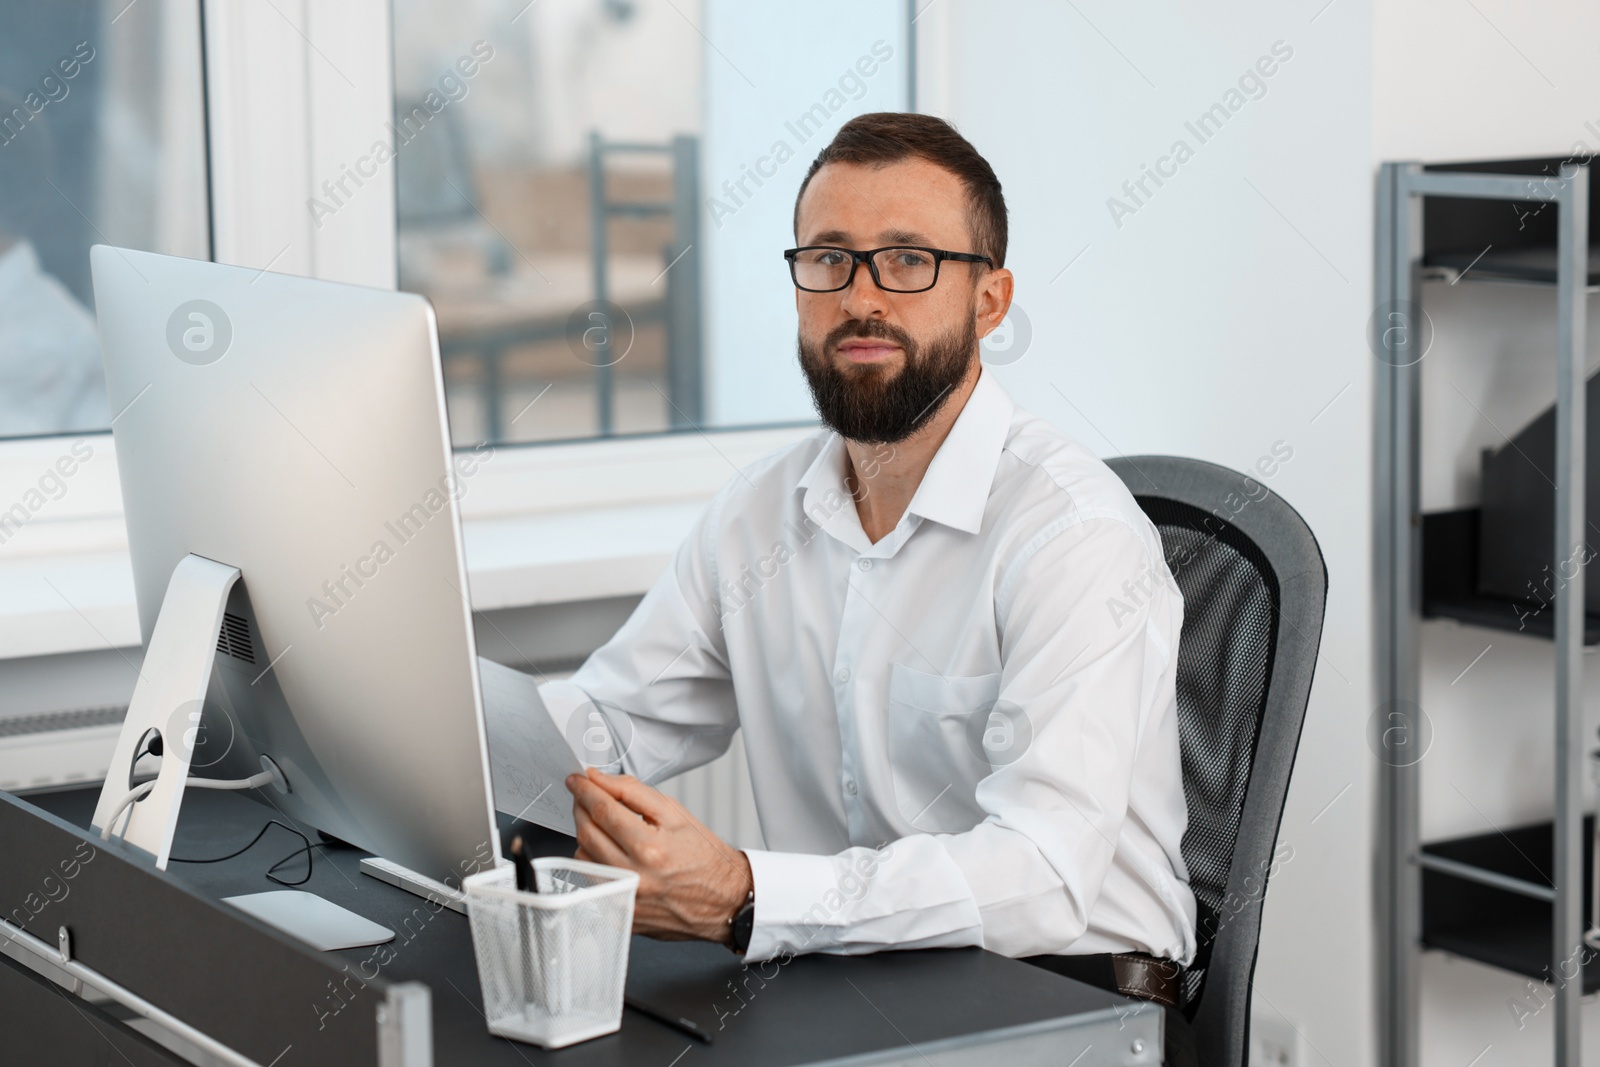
291,502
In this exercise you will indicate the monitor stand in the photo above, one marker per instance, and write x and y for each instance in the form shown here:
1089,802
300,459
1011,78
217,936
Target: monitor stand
167,703
166,706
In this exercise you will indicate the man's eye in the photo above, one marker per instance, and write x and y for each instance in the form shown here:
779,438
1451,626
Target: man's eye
830,259
910,259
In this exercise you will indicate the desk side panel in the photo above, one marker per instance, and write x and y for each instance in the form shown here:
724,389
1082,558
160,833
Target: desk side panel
41,1024
235,979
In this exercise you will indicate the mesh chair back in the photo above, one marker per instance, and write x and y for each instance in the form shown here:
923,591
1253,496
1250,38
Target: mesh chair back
1254,586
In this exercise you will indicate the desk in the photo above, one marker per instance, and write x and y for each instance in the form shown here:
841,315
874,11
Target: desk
164,937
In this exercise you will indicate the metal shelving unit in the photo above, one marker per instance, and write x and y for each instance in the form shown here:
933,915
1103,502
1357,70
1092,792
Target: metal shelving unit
1404,191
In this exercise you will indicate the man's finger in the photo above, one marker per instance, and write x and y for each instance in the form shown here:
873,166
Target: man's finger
646,800
620,823
588,795
595,844
585,794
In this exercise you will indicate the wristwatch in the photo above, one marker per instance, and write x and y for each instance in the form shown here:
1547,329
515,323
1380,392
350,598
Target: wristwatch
742,925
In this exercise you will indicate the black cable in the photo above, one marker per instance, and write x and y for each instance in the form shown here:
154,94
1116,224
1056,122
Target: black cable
307,847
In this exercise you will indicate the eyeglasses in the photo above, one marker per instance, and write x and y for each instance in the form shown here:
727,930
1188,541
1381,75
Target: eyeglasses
902,269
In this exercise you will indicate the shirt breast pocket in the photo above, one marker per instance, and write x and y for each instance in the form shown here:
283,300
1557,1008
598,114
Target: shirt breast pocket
935,742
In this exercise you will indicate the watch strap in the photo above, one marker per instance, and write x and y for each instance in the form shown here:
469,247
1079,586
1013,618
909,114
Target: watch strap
742,924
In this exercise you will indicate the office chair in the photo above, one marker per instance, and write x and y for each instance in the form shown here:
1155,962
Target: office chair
1254,585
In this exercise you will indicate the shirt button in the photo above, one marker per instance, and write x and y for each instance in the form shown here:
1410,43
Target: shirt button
843,674
864,563
850,786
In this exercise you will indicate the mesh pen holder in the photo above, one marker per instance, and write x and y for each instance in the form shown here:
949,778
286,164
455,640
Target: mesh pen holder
552,963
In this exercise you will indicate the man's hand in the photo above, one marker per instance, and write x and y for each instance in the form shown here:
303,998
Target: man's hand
690,881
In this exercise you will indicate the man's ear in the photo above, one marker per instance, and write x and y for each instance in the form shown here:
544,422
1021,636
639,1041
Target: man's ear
992,300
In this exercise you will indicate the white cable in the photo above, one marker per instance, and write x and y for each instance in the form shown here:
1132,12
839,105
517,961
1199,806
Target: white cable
123,805
255,781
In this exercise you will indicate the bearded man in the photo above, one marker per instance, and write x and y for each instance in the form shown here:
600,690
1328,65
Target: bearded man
952,738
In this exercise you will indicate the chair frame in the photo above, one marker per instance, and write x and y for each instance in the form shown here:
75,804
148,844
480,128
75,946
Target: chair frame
1221,1017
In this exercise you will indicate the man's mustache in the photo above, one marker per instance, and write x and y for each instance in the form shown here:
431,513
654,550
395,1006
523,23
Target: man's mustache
867,330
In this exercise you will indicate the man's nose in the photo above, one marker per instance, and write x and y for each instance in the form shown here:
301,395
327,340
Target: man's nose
862,299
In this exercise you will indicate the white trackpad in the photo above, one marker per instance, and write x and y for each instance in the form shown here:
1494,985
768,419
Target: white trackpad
322,924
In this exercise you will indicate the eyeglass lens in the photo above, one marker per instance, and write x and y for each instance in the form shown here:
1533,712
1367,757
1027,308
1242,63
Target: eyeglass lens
898,269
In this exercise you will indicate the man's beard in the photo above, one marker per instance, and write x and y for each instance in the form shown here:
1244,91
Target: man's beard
861,402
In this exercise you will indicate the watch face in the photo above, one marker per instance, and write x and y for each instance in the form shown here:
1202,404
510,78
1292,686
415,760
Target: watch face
743,926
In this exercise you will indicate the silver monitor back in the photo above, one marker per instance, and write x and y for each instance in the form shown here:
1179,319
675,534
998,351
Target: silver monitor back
295,429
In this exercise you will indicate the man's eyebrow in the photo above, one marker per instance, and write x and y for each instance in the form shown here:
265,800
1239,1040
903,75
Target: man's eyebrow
886,238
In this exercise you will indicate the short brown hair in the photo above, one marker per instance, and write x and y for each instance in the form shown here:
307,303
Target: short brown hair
883,137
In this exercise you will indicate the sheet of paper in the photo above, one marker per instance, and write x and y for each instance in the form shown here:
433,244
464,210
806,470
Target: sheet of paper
528,758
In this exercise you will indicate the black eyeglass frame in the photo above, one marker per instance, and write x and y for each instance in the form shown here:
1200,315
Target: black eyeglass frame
859,257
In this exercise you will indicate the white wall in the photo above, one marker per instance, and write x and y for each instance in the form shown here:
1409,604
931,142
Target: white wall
1491,79
769,64
1226,313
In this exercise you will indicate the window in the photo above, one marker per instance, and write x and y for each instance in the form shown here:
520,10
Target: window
101,141
595,194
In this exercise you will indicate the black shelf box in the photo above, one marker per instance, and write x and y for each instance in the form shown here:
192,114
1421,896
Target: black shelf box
1451,587
1499,927
1516,534
1513,240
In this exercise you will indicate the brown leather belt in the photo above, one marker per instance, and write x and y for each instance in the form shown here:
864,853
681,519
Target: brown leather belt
1149,977
1133,974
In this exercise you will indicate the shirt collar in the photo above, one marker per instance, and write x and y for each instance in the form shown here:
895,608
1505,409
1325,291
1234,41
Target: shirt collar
955,489
827,501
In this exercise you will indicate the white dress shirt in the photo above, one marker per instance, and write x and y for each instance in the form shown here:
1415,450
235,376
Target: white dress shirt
964,734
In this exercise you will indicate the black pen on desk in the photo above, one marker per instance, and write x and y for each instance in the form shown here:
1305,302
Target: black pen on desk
677,1022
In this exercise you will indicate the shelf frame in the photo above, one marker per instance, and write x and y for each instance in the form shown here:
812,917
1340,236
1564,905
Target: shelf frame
1402,189
1484,876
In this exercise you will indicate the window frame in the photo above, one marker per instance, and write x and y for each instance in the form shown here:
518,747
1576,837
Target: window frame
287,102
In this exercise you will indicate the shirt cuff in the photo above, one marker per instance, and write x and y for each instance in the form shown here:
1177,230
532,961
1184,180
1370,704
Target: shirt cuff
792,905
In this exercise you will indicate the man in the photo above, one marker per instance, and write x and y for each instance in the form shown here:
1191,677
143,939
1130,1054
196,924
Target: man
944,628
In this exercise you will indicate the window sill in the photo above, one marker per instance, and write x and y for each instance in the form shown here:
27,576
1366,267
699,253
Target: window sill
542,525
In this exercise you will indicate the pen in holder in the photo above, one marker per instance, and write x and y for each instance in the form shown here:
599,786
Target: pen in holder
527,882
551,960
